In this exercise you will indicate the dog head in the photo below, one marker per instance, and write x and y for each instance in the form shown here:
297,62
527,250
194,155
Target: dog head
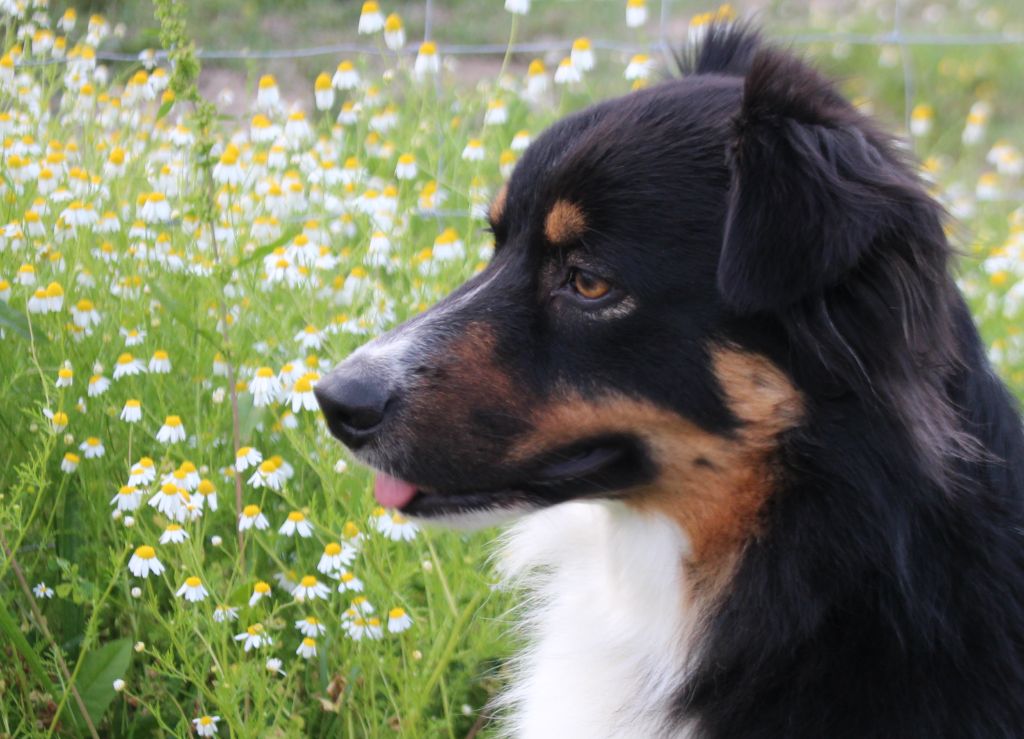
657,259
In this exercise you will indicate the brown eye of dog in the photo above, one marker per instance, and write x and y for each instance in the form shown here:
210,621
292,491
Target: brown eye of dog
588,285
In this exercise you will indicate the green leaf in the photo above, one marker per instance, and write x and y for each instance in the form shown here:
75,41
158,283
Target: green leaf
17,323
182,317
165,108
96,676
248,416
12,634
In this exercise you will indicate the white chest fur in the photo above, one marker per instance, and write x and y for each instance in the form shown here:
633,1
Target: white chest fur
608,621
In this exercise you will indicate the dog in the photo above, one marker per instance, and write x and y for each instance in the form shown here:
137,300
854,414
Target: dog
764,480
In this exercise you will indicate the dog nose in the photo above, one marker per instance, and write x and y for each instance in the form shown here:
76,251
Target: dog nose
354,402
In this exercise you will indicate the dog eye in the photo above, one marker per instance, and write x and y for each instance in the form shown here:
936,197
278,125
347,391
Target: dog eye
588,285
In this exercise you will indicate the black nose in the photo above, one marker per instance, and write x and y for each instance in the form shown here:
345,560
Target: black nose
354,401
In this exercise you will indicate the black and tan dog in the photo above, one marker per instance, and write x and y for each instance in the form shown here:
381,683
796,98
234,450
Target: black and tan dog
774,487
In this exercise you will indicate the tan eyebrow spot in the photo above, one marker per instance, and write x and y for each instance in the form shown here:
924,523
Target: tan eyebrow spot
497,209
565,222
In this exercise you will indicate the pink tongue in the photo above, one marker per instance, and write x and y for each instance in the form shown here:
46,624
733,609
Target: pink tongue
392,492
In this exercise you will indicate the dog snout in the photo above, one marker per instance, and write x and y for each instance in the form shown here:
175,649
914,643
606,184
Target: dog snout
355,401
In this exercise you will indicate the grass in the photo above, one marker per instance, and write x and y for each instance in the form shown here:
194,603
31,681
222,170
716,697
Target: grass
201,284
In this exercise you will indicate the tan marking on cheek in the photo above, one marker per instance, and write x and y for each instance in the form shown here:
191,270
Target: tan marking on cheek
497,209
712,485
564,223
757,391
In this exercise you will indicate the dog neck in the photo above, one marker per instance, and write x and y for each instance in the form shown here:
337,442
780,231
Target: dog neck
610,620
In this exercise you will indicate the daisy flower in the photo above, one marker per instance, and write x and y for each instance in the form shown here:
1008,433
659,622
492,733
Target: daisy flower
567,73
401,528
142,473
252,517
265,387
132,411
188,469
349,582
223,613
394,33
259,591
144,561
172,431
921,119
307,648
155,209
370,19
310,626
582,54
42,590
398,620
335,557
208,492
296,129
264,476
536,79
302,397
132,337
351,534
59,419
977,122
497,113
310,338
173,534
69,463
227,170
427,60
127,365
517,7
474,151
169,500
92,448
160,363
128,498
374,630
254,637
296,523
323,92
274,665
65,376
406,167
636,13
84,314
639,67
247,457
192,590
98,384
310,588
267,95
205,725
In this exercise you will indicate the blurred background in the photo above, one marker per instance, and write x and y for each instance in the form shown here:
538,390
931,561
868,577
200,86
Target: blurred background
982,38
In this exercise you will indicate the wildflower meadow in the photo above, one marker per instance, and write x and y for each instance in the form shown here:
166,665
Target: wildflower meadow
183,548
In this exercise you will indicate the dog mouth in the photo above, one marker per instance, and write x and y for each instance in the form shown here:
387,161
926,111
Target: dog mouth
601,467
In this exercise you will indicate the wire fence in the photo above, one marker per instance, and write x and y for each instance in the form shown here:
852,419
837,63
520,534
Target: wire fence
897,36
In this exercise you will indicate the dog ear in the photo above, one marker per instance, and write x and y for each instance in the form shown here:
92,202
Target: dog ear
814,187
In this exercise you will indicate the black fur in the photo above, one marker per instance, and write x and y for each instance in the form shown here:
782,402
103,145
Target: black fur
887,599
